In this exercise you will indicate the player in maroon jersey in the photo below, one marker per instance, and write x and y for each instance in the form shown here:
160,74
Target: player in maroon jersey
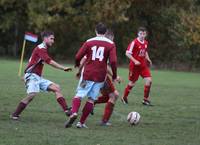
109,96
34,82
139,66
108,91
98,51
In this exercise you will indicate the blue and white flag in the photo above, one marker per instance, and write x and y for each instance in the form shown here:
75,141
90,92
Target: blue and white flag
31,37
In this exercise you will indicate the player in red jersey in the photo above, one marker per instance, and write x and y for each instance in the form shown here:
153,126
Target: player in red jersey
109,96
108,91
98,51
139,65
34,82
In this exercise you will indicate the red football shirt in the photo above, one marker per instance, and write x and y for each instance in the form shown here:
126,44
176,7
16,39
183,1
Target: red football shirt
138,50
38,57
98,51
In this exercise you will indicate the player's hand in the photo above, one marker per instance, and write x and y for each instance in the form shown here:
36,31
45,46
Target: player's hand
118,79
67,69
78,75
149,62
137,63
115,81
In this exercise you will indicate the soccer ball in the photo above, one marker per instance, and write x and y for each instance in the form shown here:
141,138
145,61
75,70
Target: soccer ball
133,118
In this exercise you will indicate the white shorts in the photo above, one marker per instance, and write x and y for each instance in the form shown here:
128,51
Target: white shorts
35,83
88,88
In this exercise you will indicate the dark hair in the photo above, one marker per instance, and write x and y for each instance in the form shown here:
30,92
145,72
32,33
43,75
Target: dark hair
46,34
109,34
142,29
101,28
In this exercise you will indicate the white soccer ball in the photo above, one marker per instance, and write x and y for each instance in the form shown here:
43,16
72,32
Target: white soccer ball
133,118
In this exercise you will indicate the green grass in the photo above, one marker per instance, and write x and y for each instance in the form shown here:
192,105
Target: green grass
174,120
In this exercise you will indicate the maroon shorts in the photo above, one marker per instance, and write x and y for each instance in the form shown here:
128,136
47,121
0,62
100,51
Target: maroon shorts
108,87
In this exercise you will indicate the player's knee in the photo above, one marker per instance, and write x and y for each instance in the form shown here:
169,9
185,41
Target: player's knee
148,81
131,83
90,100
57,88
29,98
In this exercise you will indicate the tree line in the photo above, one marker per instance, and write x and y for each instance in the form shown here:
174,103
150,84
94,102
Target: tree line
173,27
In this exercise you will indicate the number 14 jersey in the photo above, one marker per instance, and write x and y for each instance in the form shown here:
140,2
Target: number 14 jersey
98,51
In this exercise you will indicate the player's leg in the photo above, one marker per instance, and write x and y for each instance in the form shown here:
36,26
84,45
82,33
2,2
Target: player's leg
109,108
127,90
147,86
22,105
105,95
59,97
101,99
133,77
88,107
32,85
105,90
76,103
82,90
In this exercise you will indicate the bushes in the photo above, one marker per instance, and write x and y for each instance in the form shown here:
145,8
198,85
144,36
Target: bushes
173,26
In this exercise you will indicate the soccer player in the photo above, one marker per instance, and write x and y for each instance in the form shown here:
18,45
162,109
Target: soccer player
109,96
139,66
108,91
34,82
98,51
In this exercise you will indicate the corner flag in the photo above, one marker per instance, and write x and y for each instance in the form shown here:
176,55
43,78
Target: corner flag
30,37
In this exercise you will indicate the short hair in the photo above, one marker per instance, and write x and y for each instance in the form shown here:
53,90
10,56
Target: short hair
46,34
101,28
142,29
109,34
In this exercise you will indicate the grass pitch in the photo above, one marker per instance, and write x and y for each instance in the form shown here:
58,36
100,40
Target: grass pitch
174,120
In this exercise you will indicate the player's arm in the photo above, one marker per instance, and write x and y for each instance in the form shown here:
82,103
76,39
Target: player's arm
110,74
129,55
80,54
109,71
82,63
129,52
148,58
47,59
59,66
113,62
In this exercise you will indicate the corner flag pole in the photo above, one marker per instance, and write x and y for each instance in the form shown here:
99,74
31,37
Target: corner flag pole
30,37
22,58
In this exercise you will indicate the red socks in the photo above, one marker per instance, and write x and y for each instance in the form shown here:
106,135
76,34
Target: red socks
62,102
107,112
127,91
86,111
19,108
102,99
146,92
76,102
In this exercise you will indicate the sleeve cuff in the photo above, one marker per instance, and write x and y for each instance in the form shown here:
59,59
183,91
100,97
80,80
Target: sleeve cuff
48,60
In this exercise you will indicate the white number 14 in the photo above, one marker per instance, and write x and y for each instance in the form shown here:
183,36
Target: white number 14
97,53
